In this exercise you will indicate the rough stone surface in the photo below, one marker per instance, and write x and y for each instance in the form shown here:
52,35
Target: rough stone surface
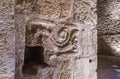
51,42
7,39
109,44
53,39
109,27
85,11
45,8
60,46
108,16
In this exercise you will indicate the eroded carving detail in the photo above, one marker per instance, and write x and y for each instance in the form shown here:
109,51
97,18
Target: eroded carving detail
56,39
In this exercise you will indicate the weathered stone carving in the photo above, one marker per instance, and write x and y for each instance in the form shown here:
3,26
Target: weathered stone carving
55,38
63,36
57,45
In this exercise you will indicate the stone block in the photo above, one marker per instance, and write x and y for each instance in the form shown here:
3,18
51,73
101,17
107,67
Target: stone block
55,38
62,38
108,17
7,39
84,68
87,40
85,11
45,8
48,47
109,45
19,44
73,68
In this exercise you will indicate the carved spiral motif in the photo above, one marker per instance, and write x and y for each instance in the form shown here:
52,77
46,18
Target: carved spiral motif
61,36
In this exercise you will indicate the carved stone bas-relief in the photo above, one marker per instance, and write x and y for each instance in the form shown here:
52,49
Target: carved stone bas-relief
48,39
55,38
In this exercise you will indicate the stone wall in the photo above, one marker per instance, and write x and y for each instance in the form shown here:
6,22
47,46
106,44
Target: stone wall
77,58
109,27
7,39
56,39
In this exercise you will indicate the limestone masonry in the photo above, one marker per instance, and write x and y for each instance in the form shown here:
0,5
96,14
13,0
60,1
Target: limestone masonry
56,39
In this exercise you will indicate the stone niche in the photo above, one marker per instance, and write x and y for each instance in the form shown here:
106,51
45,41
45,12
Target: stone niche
47,43
51,48
55,49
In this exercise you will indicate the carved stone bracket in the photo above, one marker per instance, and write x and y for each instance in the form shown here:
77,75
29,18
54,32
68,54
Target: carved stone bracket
55,38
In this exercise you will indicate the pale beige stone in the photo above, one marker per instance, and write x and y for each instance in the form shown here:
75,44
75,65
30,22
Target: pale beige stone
54,39
85,11
52,48
7,39
46,8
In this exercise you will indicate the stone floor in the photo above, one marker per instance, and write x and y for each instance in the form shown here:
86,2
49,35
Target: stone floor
108,67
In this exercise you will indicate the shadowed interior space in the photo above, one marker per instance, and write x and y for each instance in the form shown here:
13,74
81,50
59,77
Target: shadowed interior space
34,57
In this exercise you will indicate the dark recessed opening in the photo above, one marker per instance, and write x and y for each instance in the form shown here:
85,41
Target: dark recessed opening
90,60
34,58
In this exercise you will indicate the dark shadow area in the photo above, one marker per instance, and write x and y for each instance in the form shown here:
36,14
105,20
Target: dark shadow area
34,57
108,65
103,47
